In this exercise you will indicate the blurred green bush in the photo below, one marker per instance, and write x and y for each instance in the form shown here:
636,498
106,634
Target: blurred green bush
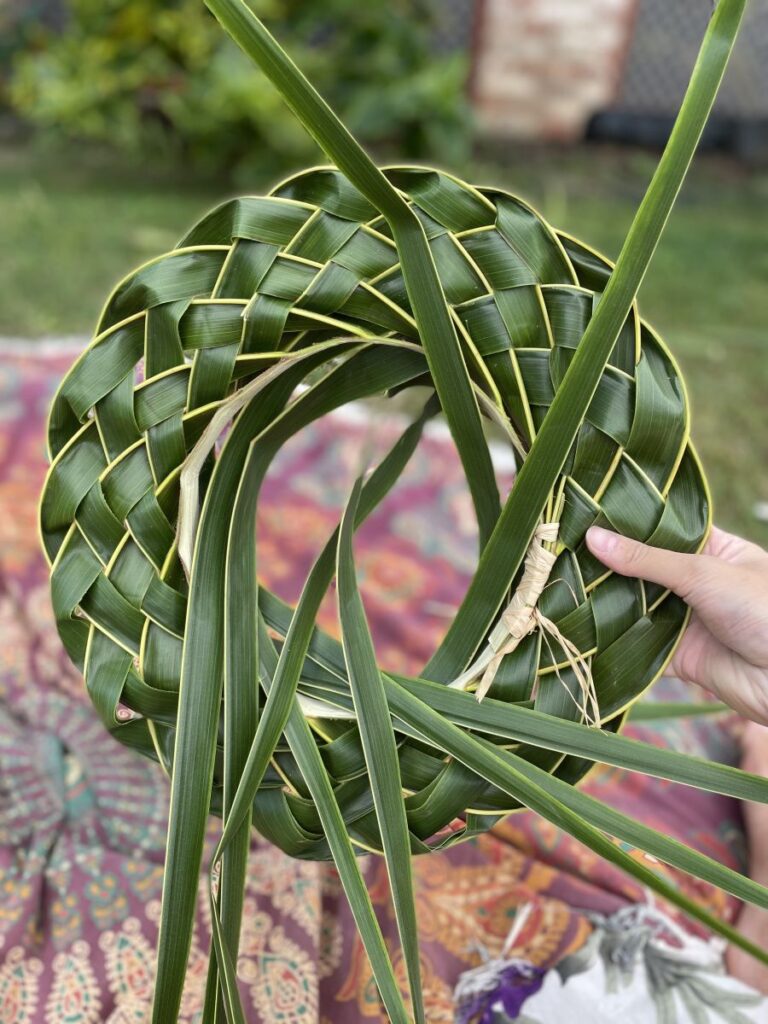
163,80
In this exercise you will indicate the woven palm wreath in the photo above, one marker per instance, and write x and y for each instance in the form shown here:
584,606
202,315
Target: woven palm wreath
346,283
312,269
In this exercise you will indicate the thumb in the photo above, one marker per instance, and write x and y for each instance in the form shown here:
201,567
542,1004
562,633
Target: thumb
671,569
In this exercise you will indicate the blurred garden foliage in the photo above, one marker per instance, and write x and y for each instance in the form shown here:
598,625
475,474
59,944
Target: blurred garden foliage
144,78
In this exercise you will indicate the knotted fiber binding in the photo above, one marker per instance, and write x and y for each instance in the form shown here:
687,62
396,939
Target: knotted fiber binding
521,617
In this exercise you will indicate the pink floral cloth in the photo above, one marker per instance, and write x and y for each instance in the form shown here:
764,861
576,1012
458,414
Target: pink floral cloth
82,819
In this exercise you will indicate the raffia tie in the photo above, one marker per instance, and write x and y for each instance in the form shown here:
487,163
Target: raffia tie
521,617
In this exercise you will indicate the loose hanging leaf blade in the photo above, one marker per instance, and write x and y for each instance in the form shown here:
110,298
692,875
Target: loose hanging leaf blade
534,727
199,707
379,746
284,674
654,710
315,774
566,809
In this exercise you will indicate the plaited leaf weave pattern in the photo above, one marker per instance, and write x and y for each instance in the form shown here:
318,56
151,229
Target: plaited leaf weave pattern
314,264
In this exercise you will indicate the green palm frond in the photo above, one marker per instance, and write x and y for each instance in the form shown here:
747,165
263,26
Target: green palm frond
356,281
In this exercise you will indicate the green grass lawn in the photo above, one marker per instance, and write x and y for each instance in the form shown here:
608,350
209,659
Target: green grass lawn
70,228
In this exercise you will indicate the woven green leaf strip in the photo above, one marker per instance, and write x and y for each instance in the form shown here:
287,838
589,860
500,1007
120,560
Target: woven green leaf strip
355,282
109,515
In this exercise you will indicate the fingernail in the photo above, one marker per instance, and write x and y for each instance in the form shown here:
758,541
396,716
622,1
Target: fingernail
600,541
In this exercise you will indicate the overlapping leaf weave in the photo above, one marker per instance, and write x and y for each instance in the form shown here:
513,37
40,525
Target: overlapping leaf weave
273,311
311,263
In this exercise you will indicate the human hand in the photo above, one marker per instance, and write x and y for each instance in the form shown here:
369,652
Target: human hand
725,647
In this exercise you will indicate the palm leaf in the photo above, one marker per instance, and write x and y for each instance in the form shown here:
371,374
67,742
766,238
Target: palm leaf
585,818
379,747
436,329
344,283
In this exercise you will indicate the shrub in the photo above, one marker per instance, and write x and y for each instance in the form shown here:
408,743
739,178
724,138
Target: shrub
162,80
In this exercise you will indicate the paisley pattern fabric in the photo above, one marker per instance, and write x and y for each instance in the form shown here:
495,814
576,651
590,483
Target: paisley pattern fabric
82,819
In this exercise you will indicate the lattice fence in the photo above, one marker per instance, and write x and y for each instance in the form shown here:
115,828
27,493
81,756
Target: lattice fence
663,48
455,23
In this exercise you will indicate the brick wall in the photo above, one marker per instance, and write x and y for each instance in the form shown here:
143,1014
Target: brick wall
542,67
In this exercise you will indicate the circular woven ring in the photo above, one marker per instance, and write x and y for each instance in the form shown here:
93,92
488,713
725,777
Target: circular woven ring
313,264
